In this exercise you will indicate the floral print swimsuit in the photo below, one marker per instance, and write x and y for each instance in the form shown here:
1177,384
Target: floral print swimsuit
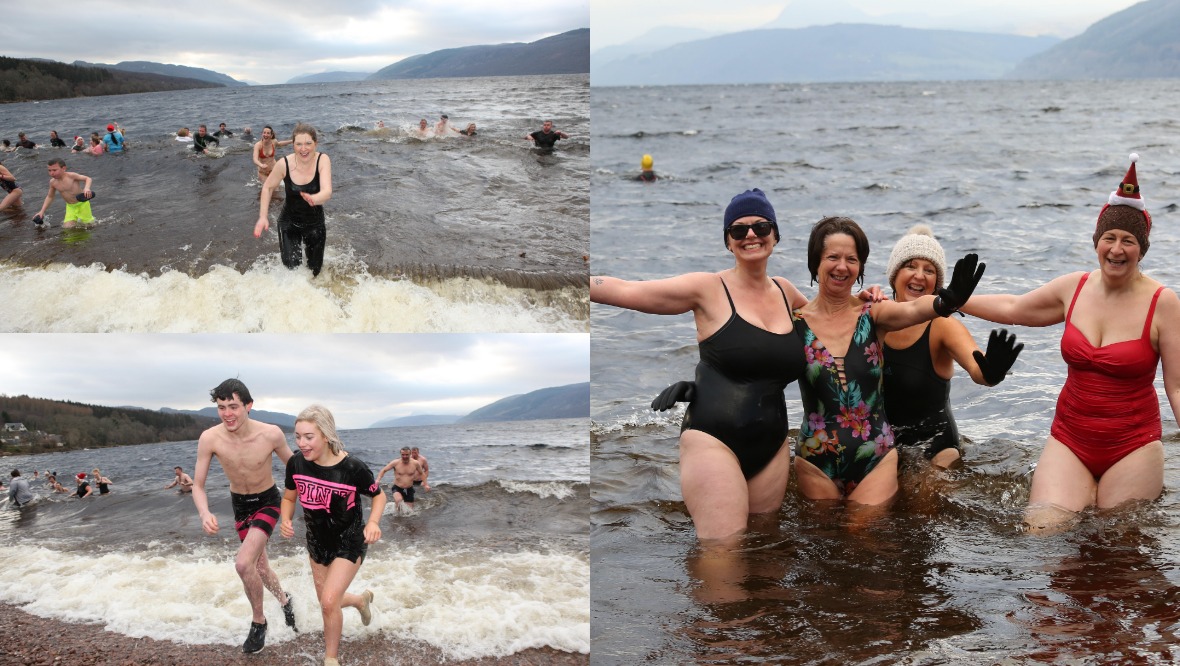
844,431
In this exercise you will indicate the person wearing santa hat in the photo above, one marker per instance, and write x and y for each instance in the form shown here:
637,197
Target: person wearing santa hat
1104,446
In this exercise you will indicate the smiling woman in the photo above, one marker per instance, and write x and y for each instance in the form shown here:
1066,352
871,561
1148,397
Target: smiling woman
733,458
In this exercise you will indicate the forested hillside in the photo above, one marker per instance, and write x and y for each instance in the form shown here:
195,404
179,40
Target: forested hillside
26,80
77,425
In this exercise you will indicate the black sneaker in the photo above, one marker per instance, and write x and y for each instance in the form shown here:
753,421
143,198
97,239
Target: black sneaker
289,613
257,638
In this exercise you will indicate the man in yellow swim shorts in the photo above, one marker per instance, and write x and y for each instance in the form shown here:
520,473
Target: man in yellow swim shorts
75,191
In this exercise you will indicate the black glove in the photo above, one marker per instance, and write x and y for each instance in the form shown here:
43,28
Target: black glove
37,219
678,392
1002,351
968,270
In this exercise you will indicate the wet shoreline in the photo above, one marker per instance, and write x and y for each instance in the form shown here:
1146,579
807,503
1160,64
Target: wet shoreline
27,639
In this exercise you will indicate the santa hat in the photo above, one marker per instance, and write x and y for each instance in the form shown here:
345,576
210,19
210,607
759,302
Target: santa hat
81,476
1115,214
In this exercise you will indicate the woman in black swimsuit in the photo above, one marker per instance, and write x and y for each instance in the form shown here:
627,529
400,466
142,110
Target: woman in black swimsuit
307,178
8,187
733,461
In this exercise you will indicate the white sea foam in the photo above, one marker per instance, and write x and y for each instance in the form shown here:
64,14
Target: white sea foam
467,603
555,489
268,297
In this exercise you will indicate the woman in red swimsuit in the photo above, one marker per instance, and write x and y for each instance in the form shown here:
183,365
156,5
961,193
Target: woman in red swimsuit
264,152
1104,446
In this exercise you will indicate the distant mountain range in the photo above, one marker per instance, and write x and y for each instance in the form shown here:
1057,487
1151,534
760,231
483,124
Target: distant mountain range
1142,41
559,402
182,71
842,52
331,77
567,53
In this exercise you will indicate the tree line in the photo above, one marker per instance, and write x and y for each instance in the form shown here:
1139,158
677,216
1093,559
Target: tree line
23,80
91,426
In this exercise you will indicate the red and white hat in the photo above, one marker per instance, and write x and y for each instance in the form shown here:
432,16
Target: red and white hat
1113,216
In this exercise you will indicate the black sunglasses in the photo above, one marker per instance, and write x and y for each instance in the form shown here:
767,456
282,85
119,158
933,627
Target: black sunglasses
761,230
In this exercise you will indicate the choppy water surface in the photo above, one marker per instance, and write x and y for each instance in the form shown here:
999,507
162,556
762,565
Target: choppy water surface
1014,171
442,234
499,545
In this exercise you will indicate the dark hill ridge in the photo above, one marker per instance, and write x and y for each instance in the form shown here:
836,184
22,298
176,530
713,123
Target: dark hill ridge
1140,42
567,53
179,71
27,79
841,52
559,402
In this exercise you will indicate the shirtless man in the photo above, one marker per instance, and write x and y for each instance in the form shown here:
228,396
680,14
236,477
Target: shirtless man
183,480
423,131
443,126
244,449
77,196
420,478
404,469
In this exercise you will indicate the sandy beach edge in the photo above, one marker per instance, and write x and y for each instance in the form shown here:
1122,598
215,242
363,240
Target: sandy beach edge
29,640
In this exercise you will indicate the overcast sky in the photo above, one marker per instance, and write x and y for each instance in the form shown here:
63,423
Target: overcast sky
619,21
360,378
271,41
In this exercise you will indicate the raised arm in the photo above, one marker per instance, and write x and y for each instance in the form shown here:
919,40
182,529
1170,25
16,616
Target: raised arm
1043,306
985,369
674,295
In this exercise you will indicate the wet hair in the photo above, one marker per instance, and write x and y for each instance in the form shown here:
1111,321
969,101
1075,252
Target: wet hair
183,131
405,449
15,473
836,225
58,161
226,390
268,127
179,468
322,419
202,126
413,449
304,128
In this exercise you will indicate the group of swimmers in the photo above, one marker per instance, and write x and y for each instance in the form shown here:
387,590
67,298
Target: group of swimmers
757,334
110,142
20,493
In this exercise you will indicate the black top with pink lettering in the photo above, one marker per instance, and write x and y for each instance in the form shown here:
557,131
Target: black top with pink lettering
329,496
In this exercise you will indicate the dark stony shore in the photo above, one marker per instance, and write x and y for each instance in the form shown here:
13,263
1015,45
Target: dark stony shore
28,640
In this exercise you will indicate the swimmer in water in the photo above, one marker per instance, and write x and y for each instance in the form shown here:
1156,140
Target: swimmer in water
423,131
264,152
546,136
102,482
646,174
183,480
12,192
75,191
307,177
405,469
